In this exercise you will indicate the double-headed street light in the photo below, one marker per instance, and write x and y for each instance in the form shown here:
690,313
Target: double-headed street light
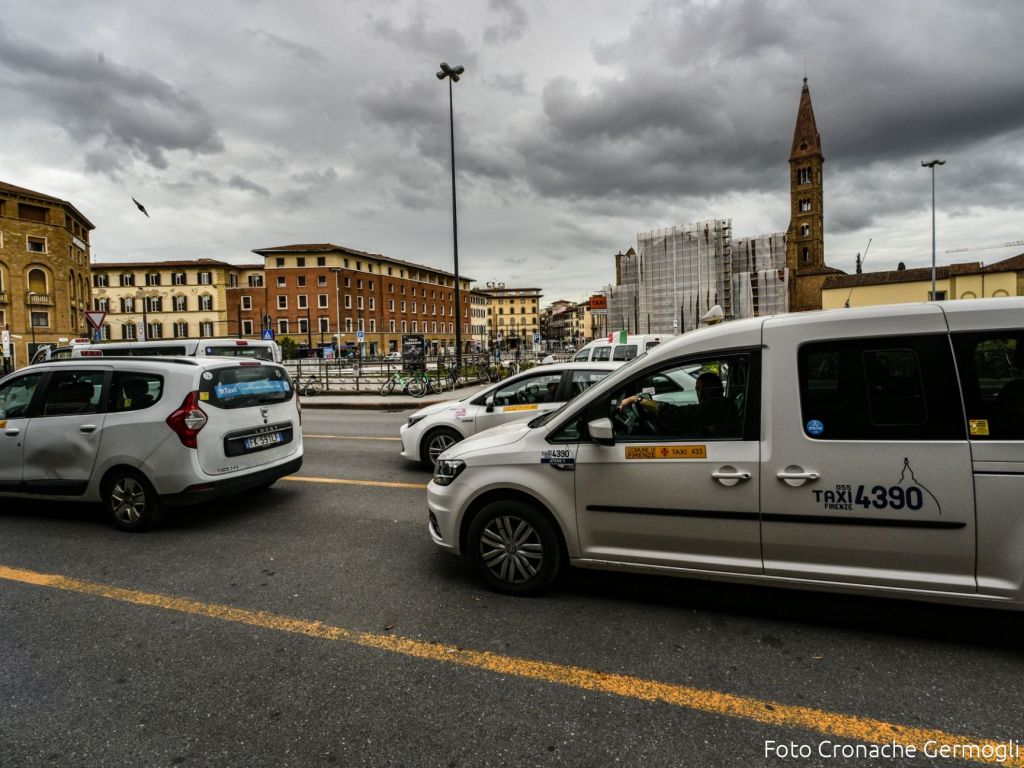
932,165
452,74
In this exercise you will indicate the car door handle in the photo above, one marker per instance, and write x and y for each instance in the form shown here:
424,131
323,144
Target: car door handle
87,428
796,476
729,476
13,431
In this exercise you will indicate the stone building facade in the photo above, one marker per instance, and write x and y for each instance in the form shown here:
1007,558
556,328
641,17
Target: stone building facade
44,270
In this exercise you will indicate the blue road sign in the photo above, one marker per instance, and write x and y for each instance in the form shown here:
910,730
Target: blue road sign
268,334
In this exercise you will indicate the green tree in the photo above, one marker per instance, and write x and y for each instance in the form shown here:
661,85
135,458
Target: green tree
289,347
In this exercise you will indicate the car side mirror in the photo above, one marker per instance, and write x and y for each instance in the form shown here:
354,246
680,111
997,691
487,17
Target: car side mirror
601,431
489,402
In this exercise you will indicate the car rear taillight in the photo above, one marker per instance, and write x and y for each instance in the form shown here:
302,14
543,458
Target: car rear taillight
188,420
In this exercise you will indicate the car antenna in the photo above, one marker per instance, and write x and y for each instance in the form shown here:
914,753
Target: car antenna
862,260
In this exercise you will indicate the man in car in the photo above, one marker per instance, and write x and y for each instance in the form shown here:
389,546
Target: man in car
711,417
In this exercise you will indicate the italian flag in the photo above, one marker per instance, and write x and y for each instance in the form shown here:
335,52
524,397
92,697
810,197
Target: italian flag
619,337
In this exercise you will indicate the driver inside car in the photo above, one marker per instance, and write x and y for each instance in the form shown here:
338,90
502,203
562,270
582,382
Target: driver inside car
710,417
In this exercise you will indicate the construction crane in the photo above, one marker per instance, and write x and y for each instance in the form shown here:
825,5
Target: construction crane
1011,244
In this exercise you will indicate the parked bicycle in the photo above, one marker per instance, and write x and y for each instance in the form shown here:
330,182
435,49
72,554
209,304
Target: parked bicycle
407,383
307,386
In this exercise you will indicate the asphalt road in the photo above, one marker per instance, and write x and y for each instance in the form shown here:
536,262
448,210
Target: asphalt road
314,625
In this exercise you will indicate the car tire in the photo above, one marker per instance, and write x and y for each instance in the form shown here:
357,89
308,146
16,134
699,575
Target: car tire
131,501
515,548
435,442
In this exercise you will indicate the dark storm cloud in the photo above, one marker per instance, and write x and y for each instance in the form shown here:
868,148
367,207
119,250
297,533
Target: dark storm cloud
514,84
704,97
132,113
247,185
513,24
298,52
420,36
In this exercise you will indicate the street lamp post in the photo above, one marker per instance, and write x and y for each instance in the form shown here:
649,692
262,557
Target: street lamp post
32,324
337,310
452,74
932,165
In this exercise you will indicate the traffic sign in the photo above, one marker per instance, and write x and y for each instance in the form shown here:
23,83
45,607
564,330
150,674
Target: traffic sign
268,334
359,336
536,338
96,319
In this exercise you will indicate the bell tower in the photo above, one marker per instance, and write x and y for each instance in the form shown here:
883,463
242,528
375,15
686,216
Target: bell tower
805,239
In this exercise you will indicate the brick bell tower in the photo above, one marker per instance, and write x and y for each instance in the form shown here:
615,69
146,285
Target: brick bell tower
805,239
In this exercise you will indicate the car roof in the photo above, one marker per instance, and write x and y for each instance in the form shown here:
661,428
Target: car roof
161,360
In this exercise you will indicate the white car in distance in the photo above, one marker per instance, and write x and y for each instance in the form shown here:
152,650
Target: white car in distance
431,430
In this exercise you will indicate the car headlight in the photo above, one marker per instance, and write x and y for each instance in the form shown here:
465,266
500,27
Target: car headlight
415,419
446,470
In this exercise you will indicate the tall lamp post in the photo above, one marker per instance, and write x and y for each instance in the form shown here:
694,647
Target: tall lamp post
337,310
932,165
32,324
452,74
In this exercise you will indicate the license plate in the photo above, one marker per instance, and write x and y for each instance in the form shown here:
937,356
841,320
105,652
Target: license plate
262,441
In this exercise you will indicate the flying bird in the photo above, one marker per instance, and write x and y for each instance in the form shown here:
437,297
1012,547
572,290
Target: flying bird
141,207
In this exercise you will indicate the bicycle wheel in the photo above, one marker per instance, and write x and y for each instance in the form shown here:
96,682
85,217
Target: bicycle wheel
386,387
416,387
312,387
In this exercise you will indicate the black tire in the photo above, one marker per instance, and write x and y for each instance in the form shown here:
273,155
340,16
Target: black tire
515,548
434,444
131,501
386,387
312,388
417,388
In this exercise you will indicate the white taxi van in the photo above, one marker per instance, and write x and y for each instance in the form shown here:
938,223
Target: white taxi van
876,450
140,434
256,349
615,347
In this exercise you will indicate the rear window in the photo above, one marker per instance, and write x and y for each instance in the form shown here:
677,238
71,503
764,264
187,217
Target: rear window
132,391
245,386
602,353
582,355
234,350
624,352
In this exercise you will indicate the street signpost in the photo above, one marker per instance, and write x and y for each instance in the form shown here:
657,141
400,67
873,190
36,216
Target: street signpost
95,319
268,334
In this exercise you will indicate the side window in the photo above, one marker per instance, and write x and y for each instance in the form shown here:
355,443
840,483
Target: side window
71,393
535,389
712,398
893,388
16,396
991,369
581,356
601,353
131,391
624,352
583,380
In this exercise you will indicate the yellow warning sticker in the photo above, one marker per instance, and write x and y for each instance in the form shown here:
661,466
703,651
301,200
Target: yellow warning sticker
204,395
979,427
3,423
527,407
666,452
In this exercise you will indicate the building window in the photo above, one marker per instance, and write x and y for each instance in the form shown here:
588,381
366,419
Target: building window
303,325
180,278
303,301
300,281
40,319
403,306
321,300
805,230
247,327
806,256
282,302
255,281
348,325
361,324
348,282
206,303
206,328
282,282
180,304
155,331
415,326
391,305
100,280
279,261
105,332
325,325
359,285
300,261
321,281
391,326
247,302
282,326
373,304
128,331
805,205
803,176
321,261
127,279
373,325
232,280
405,326
937,296
205,278
152,278
102,305
348,301
369,285
37,245
181,330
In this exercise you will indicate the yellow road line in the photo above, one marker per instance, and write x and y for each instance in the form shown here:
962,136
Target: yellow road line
346,437
341,481
851,727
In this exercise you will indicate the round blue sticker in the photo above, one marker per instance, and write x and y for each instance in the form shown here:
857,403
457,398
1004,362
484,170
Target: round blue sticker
815,427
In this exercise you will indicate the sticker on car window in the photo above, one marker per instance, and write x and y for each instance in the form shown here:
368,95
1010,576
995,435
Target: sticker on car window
979,427
512,408
648,452
243,388
815,428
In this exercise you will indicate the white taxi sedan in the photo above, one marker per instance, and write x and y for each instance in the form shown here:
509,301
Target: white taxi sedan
429,431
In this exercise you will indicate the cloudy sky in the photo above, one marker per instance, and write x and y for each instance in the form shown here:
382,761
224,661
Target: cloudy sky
243,124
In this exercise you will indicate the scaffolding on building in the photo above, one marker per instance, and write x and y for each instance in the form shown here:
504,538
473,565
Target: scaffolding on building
677,274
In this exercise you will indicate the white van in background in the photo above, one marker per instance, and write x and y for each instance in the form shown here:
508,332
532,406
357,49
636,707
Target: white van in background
255,349
603,349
